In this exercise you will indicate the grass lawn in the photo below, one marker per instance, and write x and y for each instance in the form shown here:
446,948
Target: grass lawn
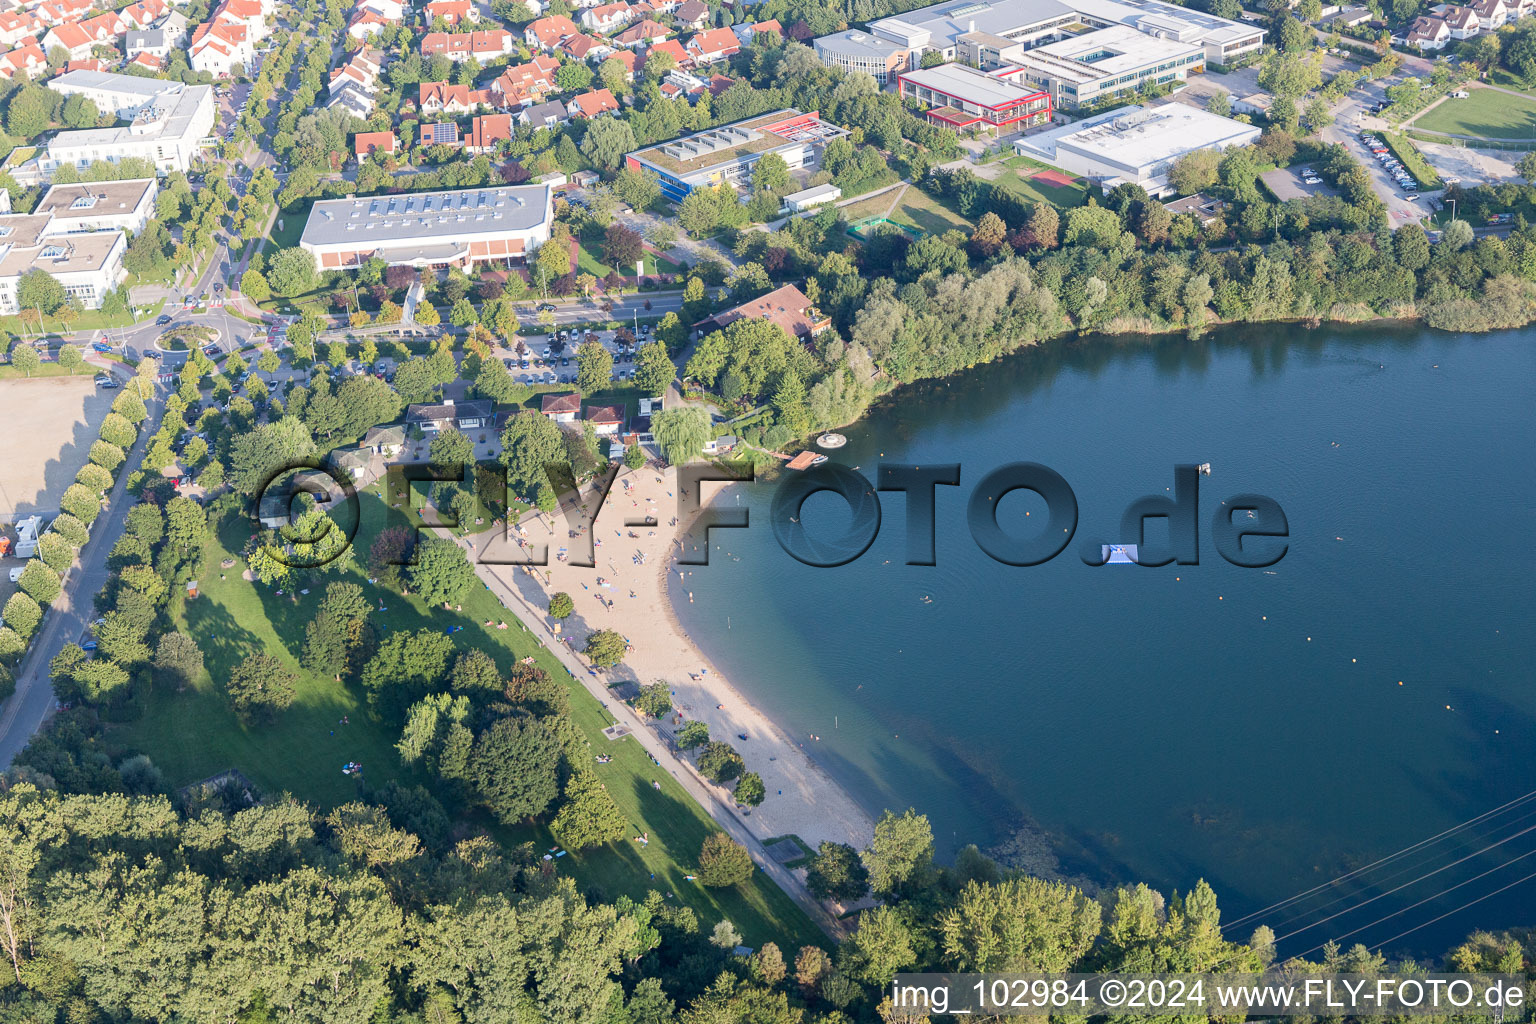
589,261
1485,113
48,370
1018,180
287,228
86,320
915,209
194,734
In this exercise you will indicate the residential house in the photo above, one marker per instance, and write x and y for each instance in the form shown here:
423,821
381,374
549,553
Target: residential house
642,34
57,12
585,47
630,59
29,60
1491,14
691,14
561,408
1462,22
352,98
486,130
746,32
365,144
360,71
719,83
385,441
451,11
786,306
389,10
607,17
366,24
148,61
143,14
77,38
683,83
447,98
591,104
543,115
442,133
18,25
670,47
526,83
1206,209
547,33
89,64
217,47
606,420
711,45
476,415
1428,33
160,39
482,46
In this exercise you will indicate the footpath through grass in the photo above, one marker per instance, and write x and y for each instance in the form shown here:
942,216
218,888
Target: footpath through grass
195,734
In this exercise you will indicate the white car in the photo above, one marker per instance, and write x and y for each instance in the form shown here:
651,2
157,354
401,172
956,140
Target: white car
16,574
1313,181
1412,197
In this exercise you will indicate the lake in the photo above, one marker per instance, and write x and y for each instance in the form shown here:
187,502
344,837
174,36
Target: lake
1265,730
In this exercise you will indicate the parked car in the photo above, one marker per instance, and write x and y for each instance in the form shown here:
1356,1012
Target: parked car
1412,197
164,319
104,381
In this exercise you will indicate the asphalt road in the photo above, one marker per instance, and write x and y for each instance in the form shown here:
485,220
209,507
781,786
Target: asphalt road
66,622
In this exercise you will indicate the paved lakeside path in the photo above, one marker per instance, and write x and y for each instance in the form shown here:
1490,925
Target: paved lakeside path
802,799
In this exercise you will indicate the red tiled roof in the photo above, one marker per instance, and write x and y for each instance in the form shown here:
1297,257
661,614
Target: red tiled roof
549,31
488,129
366,142
552,404
714,42
598,101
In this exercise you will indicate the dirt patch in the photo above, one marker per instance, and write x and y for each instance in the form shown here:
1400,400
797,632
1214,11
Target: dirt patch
1053,178
48,424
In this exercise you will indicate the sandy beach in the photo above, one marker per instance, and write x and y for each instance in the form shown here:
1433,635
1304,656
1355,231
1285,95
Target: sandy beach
634,563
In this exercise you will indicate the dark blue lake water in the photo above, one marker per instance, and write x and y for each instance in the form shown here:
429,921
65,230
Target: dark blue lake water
1266,731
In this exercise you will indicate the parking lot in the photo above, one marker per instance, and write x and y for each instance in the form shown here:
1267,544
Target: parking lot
552,360
1390,167
1292,183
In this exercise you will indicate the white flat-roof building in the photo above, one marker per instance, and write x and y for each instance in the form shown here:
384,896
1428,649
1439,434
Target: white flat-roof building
725,154
100,205
964,98
891,45
88,265
122,95
1082,70
812,197
1135,144
167,132
430,229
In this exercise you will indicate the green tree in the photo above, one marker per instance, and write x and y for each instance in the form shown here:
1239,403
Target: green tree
605,648
529,443
40,581
750,789
80,112
634,456
692,734
494,382
253,284
70,358
681,433
594,367
515,767
1021,924
22,614
880,947
654,700
719,762
771,174
608,140
836,873
54,549
723,862
41,291
589,816
901,854
292,272
442,573
178,659
654,371
26,359
259,687
561,605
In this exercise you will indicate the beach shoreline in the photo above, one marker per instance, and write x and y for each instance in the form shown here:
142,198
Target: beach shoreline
635,600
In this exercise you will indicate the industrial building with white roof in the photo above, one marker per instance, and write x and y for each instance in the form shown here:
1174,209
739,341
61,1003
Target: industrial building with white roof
430,229
1135,144
726,154
892,45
